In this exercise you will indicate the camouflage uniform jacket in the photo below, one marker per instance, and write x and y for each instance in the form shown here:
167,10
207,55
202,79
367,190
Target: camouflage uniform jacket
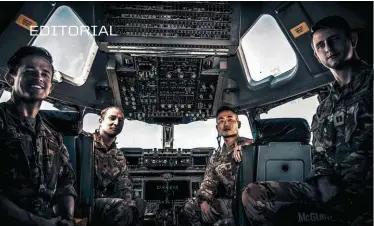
343,134
220,172
112,178
35,168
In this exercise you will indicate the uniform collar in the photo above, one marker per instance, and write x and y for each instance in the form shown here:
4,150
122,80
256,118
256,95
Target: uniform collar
99,142
360,70
40,125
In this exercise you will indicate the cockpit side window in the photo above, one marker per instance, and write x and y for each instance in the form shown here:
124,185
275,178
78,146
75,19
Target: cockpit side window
71,44
265,52
45,104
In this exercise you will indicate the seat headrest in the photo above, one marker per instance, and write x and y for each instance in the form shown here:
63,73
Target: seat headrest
66,123
282,130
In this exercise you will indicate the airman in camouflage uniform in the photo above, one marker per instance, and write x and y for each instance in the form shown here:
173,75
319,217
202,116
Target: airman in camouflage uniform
212,204
115,200
342,172
36,177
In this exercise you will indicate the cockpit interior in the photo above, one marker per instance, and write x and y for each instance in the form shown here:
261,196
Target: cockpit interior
171,65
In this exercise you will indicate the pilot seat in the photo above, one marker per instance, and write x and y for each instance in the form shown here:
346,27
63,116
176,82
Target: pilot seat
281,152
81,151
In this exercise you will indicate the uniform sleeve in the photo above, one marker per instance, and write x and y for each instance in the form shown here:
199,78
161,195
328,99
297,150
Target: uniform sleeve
320,165
124,184
67,177
356,167
209,184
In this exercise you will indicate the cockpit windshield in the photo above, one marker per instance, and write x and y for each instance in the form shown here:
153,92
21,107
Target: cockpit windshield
143,135
134,133
204,133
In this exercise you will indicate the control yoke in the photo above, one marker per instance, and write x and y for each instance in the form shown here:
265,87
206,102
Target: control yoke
168,136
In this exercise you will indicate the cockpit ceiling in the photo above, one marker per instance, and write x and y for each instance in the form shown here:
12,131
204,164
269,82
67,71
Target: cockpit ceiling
166,58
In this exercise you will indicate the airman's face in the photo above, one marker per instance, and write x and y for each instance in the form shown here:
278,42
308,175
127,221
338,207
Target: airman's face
33,81
113,121
227,124
332,47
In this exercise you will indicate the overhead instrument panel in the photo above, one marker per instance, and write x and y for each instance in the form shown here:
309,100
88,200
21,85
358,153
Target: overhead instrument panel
167,90
174,28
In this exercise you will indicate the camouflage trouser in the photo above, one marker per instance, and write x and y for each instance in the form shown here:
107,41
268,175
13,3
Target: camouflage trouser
117,212
192,210
365,219
262,200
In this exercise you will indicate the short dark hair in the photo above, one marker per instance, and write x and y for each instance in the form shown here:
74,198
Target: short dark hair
225,108
331,22
105,110
15,60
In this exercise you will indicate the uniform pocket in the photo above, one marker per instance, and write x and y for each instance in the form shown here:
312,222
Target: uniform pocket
322,131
